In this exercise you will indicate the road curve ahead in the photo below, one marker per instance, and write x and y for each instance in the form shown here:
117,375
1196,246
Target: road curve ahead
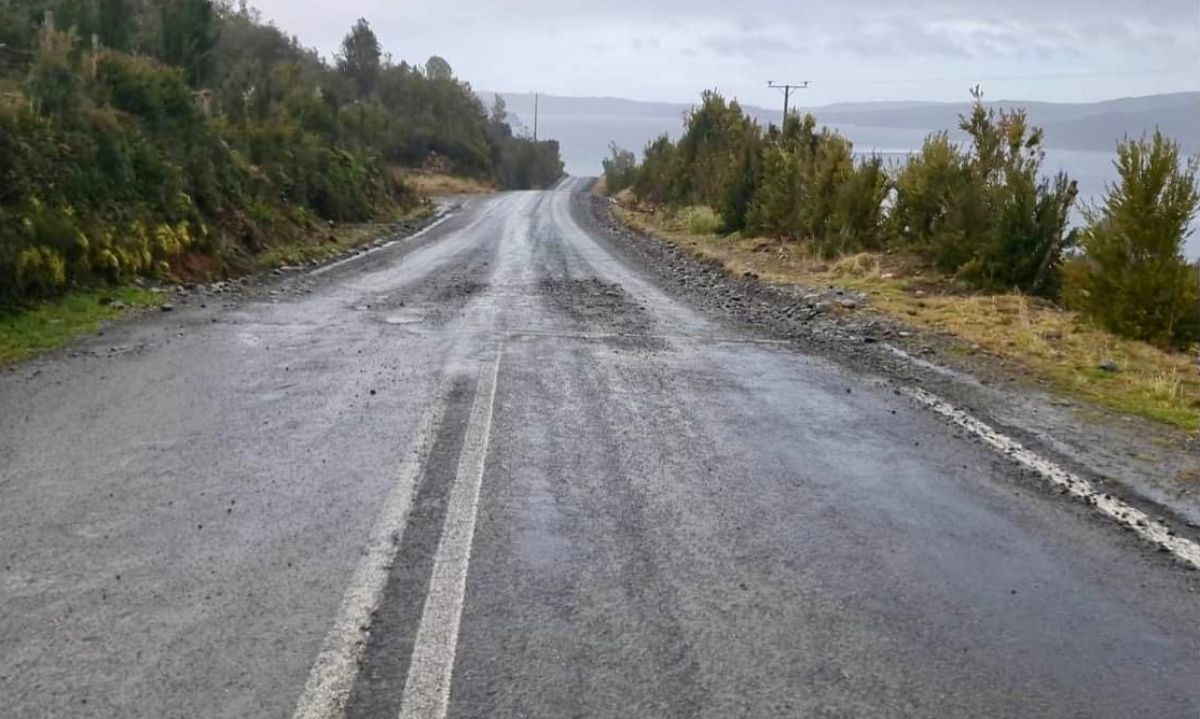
495,471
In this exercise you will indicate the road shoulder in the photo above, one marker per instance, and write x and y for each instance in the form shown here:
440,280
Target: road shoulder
1137,460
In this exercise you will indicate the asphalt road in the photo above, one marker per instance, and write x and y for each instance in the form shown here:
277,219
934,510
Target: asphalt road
550,490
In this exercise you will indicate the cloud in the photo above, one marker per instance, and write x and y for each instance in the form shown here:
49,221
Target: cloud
749,45
668,49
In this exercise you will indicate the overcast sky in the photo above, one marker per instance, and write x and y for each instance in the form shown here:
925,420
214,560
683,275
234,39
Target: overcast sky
1063,50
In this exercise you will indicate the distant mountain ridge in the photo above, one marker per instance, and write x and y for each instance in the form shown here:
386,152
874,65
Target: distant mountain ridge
1093,126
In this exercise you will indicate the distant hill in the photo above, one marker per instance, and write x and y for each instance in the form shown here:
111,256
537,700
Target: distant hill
521,103
1093,131
1072,126
1092,126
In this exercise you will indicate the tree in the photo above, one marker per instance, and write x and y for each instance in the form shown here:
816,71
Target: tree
188,36
713,135
986,212
437,69
620,169
54,76
498,126
1134,278
116,24
360,58
655,182
115,166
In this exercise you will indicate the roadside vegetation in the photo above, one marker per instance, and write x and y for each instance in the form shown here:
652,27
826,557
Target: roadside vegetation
974,241
430,183
53,323
150,139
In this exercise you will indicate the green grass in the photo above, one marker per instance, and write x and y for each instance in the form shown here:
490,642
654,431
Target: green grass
27,331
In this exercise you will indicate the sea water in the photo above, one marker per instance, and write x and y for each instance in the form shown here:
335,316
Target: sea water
585,141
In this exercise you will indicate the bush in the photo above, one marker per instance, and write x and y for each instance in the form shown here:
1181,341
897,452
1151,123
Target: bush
715,138
858,217
811,189
1133,277
986,213
620,169
923,216
155,94
655,180
54,77
701,220
827,169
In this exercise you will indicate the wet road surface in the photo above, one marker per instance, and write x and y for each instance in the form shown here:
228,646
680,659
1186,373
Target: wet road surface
549,490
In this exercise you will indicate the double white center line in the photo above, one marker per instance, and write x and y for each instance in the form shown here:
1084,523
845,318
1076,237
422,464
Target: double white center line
427,688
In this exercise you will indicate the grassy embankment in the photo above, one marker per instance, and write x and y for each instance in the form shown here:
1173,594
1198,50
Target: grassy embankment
50,324
435,184
1044,342
54,323
340,238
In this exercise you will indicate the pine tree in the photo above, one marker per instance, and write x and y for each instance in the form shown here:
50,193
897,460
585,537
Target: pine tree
360,58
1134,278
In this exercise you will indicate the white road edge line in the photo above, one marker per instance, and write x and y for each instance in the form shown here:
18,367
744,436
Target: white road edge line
445,215
1132,518
427,688
332,676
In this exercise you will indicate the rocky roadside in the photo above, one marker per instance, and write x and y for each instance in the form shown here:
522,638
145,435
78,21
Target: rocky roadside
276,281
271,282
1144,463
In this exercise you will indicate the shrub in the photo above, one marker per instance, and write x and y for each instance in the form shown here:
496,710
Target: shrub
716,137
822,177
780,198
812,190
701,220
620,169
655,180
54,76
155,94
858,217
744,176
1133,277
986,213
923,214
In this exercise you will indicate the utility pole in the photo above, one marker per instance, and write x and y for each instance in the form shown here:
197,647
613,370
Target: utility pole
787,92
535,116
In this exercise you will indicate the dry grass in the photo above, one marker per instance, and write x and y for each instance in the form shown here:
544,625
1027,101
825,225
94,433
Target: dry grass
434,184
1046,342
